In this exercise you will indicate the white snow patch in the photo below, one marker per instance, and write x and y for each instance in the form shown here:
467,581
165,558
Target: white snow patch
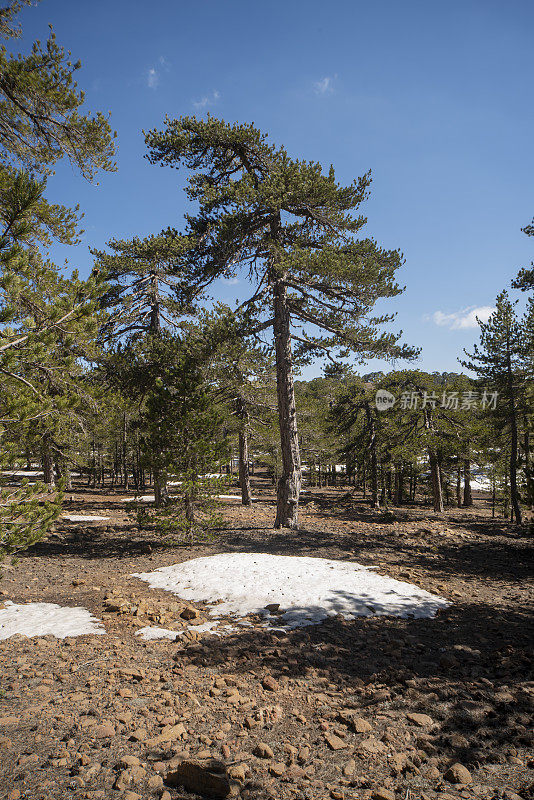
229,496
148,633
83,518
308,589
40,619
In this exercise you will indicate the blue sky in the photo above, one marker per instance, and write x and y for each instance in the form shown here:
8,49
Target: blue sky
434,98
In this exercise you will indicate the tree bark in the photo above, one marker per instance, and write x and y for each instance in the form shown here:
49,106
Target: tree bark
161,493
47,460
372,450
459,485
435,472
468,497
514,492
244,476
290,480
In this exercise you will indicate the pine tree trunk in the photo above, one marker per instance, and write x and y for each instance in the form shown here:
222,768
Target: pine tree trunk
435,472
459,486
123,455
244,477
290,480
161,493
47,460
468,497
514,493
374,461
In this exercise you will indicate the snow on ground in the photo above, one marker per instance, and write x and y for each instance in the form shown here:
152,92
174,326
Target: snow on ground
308,590
40,619
83,518
149,632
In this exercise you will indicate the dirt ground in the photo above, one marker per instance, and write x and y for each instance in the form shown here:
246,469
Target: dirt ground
375,708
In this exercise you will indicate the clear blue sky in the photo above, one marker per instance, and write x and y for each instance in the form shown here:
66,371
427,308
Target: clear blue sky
435,98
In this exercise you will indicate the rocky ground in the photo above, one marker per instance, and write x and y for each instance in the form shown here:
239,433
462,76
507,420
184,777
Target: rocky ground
379,708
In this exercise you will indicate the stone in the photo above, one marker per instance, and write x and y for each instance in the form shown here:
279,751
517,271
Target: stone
421,720
190,613
104,731
263,750
168,734
129,761
272,607
349,768
457,773
206,777
381,793
270,684
371,747
155,782
277,769
335,742
357,724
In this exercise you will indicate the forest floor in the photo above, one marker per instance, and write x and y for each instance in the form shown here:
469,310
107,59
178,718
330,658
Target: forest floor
377,708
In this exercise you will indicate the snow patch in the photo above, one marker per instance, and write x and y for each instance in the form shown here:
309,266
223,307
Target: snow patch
149,634
83,518
307,589
40,619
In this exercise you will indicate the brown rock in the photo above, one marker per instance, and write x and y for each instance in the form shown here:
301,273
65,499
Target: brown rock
335,742
206,777
421,720
381,793
371,747
457,773
349,768
277,769
190,613
168,734
104,731
263,750
270,684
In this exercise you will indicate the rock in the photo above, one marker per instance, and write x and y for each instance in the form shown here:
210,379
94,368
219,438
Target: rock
104,731
277,769
238,772
381,793
371,747
335,742
457,773
165,796
270,684
272,607
155,782
190,613
131,796
168,734
263,750
357,724
349,768
206,777
421,720
129,761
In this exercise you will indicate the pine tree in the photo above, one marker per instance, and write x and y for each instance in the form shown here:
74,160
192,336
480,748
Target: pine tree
498,361
291,225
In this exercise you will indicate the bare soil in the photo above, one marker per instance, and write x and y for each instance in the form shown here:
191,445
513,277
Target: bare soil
377,708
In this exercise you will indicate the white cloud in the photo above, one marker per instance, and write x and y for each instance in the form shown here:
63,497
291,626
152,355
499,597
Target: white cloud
463,319
152,75
324,86
207,100
152,78
232,281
